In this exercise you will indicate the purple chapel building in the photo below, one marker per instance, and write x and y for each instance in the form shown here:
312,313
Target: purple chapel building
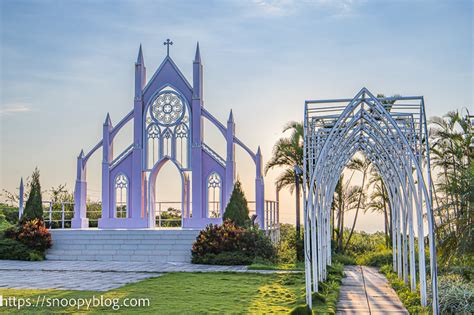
167,117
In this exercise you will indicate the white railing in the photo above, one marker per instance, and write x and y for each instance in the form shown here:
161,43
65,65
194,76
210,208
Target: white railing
59,214
168,214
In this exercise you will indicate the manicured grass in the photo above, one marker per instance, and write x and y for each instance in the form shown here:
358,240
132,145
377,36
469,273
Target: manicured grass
299,266
195,293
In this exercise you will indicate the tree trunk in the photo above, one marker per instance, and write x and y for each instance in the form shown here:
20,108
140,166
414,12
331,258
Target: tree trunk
298,225
385,215
341,227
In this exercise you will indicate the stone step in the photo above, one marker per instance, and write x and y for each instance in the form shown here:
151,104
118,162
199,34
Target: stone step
122,245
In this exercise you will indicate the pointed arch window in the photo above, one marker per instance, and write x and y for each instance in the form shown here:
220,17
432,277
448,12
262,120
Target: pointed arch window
181,136
214,193
121,196
167,142
153,144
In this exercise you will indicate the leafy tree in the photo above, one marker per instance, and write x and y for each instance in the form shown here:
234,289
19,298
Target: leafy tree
34,204
13,198
237,209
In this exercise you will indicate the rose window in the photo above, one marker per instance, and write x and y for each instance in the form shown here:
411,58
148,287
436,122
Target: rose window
167,108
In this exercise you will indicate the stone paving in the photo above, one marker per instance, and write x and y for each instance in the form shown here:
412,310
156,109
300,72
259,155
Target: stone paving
94,275
69,280
365,291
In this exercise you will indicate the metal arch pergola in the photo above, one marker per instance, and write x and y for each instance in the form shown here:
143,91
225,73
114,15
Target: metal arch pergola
392,133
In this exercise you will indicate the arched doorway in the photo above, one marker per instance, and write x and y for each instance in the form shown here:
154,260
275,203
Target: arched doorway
167,213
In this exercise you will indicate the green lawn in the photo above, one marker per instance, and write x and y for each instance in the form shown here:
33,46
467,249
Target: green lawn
299,266
191,293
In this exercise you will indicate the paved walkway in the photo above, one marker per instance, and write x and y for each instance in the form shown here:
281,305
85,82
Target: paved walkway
94,275
365,291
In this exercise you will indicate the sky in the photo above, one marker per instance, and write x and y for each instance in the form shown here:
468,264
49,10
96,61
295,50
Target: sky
65,64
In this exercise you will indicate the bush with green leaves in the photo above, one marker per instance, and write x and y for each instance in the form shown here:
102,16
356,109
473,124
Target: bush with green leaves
4,224
456,294
344,259
10,213
287,247
34,204
363,242
237,209
15,250
231,244
378,258
410,299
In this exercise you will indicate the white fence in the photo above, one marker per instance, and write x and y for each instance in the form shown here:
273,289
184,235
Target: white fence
168,214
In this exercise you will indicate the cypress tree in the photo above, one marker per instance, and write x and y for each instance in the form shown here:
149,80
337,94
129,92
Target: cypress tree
237,209
34,204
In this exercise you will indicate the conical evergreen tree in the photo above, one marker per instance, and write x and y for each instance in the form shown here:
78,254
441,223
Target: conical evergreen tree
237,209
34,204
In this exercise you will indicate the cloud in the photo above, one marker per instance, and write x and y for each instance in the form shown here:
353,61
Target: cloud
14,108
279,8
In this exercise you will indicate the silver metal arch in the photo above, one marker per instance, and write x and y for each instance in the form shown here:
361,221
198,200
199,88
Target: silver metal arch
391,137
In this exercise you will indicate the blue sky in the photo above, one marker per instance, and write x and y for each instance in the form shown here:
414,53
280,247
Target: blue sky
65,64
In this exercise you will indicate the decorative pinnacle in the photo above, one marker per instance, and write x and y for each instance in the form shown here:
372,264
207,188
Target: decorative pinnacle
168,43
21,182
108,121
197,57
231,117
81,155
140,56
259,152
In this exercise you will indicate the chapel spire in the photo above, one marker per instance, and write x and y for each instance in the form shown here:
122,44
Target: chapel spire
197,57
140,60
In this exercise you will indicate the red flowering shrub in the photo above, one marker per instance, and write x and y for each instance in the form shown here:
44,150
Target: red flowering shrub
35,235
228,244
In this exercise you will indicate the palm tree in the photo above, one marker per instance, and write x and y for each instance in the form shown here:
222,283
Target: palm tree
345,199
379,202
288,153
362,165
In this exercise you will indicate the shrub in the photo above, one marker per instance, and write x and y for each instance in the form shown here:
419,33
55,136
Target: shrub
35,235
467,272
10,213
456,295
376,258
34,204
4,224
224,258
363,242
234,241
410,299
13,249
289,249
237,209
343,259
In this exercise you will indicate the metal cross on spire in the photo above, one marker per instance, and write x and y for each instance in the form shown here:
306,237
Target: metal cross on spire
168,43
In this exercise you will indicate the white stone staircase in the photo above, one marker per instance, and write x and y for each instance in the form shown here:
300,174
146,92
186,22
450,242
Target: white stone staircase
165,245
